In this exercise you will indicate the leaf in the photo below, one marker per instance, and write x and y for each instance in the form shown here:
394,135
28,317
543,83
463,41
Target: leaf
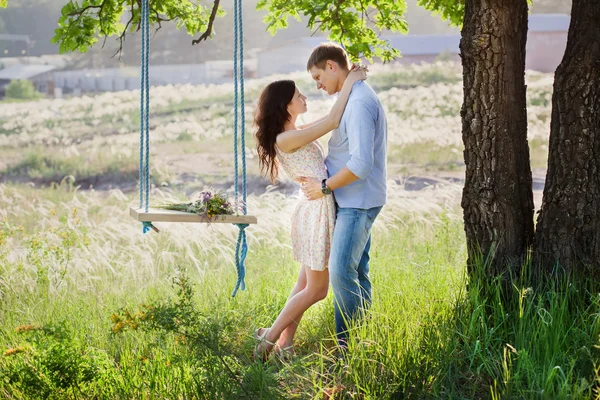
82,24
3,3
450,10
357,24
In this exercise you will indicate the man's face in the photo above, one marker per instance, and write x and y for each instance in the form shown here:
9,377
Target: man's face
327,79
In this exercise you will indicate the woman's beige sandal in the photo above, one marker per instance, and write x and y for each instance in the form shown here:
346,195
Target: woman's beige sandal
264,347
285,353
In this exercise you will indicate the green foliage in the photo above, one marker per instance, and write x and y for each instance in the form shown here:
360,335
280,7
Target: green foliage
6,232
97,169
206,204
3,3
49,253
53,256
21,89
531,343
426,336
356,23
51,363
200,336
450,10
83,23
352,22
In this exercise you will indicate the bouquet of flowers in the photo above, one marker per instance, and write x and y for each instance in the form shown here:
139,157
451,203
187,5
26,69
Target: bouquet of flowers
206,204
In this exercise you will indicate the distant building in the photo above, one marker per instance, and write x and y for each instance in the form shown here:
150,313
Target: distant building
292,56
14,45
128,78
40,75
546,42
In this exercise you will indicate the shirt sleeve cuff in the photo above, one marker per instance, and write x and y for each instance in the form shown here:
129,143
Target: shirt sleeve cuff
359,168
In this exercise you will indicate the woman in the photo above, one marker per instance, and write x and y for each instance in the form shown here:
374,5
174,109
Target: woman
295,148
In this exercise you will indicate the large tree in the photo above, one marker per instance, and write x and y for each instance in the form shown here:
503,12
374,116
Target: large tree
497,196
568,228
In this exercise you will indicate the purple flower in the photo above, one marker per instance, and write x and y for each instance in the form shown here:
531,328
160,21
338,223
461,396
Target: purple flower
205,196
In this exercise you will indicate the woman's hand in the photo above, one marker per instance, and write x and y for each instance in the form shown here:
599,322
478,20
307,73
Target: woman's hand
357,73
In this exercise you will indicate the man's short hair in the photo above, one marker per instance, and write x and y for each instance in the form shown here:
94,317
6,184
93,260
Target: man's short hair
328,51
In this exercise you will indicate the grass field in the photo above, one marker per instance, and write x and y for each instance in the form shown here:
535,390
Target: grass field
92,309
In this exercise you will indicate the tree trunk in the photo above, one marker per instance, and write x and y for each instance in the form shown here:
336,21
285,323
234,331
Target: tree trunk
568,227
497,199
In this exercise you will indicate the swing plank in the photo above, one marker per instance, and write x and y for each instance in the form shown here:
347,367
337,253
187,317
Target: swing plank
160,215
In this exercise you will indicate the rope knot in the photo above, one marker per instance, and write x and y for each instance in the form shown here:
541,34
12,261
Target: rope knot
146,226
242,226
241,250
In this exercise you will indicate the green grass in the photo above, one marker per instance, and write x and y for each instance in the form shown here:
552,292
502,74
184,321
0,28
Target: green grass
7,100
433,91
426,336
427,156
538,153
73,265
432,157
43,168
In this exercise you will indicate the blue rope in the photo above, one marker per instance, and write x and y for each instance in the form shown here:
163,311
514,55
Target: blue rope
240,32
241,248
145,114
147,94
235,103
142,108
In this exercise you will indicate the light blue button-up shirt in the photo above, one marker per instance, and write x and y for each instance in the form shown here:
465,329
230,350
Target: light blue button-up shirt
360,143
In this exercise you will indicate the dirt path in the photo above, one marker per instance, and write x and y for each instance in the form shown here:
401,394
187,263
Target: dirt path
423,181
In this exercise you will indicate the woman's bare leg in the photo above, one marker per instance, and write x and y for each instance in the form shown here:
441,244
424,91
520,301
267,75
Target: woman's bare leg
287,336
317,284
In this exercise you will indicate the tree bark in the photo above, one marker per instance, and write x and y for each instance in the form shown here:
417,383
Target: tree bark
568,227
497,198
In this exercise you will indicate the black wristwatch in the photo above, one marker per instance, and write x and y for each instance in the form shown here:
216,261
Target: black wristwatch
324,188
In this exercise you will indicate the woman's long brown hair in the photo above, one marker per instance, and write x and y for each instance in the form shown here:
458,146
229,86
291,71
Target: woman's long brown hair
271,116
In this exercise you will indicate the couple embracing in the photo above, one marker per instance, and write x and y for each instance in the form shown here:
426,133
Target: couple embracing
344,191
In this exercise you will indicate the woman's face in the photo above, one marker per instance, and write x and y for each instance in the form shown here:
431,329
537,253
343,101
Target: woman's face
298,104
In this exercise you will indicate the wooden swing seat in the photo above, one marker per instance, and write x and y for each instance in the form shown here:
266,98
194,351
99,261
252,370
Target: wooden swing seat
160,215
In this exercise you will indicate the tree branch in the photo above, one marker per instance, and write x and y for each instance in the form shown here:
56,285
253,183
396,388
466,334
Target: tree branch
82,11
208,32
369,16
122,36
339,20
317,28
159,20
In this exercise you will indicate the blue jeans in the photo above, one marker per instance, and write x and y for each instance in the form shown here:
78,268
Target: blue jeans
349,266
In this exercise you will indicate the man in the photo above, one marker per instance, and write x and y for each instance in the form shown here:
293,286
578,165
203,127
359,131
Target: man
356,164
